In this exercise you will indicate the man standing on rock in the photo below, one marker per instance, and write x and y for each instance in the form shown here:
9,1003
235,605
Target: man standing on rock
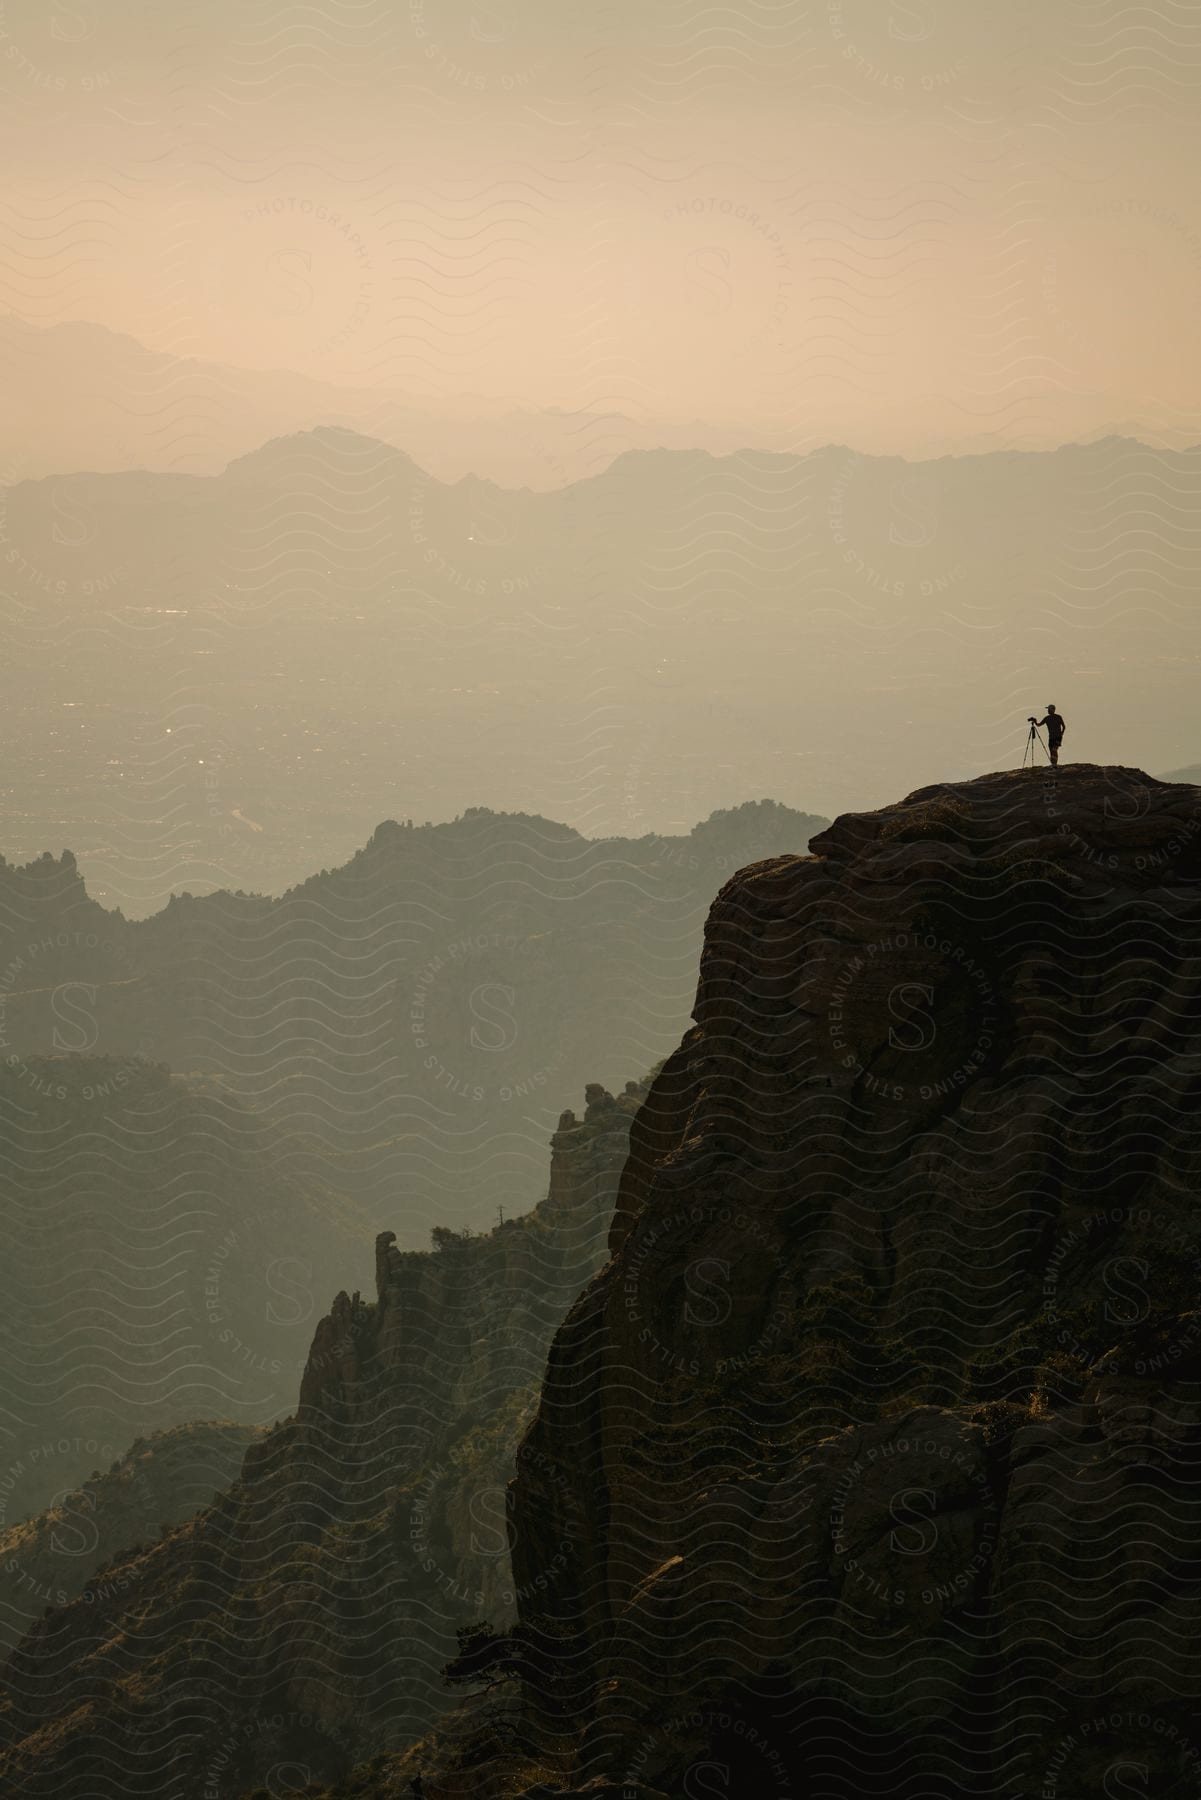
1055,730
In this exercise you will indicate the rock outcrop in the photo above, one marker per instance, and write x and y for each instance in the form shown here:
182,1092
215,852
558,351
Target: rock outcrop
868,1465
301,1621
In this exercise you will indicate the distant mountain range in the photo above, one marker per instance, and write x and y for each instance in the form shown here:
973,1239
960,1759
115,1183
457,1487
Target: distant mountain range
223,681
79,396
123,406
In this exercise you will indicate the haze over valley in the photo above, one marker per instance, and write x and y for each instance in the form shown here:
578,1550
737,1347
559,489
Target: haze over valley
600,900
228,681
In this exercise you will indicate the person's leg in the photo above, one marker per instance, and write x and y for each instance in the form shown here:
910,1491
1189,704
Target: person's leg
1054,749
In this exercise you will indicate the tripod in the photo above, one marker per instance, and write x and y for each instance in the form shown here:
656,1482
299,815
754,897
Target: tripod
1029,752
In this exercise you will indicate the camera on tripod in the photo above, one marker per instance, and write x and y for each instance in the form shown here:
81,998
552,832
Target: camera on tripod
1033,737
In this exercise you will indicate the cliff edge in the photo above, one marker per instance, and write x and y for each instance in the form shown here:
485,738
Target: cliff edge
868,1463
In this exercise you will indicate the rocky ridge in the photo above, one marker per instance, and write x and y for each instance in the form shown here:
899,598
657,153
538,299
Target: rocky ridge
412,1022
869,1459
66,1551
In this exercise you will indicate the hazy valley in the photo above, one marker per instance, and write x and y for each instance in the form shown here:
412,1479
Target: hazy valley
225,681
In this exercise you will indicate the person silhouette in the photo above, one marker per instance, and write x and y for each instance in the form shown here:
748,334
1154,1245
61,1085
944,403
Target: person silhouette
1055,730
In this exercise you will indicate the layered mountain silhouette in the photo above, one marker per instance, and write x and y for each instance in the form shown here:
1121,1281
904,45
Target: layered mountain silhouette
864,1465
226,680
132,407
411,1023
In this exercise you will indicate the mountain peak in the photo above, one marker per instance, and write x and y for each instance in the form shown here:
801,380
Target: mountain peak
322,446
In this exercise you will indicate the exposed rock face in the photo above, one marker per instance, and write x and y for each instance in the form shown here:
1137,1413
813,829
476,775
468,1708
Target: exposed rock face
301,1621
65,1552
869,1463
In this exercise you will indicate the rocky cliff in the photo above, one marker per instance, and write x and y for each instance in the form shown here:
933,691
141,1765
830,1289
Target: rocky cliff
868,1464
300,1623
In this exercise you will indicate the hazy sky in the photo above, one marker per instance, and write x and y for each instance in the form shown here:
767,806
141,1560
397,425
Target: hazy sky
904,224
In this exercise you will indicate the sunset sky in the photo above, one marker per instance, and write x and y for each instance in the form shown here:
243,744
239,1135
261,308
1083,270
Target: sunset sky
910,227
